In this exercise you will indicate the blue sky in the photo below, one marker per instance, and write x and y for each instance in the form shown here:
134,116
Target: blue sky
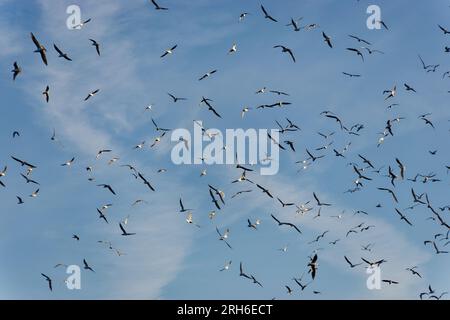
169,259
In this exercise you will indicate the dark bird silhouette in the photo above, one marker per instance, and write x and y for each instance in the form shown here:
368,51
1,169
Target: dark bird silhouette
96,45
286,50
49,281
266,15
16,70
39,48
61,54
286,224
107,186
86,266
157,7
124,233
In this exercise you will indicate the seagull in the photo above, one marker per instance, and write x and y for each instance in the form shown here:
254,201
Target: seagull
3,172
383,24
46,94
214,200
264,190
279,93
28,179
402,217
443,29
91,94
61,54
34,194
23,163
392,92
242,16
242,273
266,15
226,266
357,52
360,40
256,281
81,24
16,70
313,266
124,233
294,24
286,49
327,39
350,263
19,200
389,281
391,192
351,75
146,182
157,128
206,75
372,264
102,151
289,290
283,204
318,201
414,272
286,224
183,209
244,110
402,168
86,266
68,163
168,51
47,278
102,215
189,219
370,51
175,99
224,237
233,49
409,88
40,48
240,192
210,107
107,186
96,45
157,7
253,225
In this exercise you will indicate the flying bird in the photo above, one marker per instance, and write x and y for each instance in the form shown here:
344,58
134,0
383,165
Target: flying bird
286,224
107,186
46,93
327,39
157,7
16,70
86,266
208,74
39,48
266,15
287,50
49,281
169,51
96,45
61,54
91,94
124,233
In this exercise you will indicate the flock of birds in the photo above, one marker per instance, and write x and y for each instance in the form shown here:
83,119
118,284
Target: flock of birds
365,170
